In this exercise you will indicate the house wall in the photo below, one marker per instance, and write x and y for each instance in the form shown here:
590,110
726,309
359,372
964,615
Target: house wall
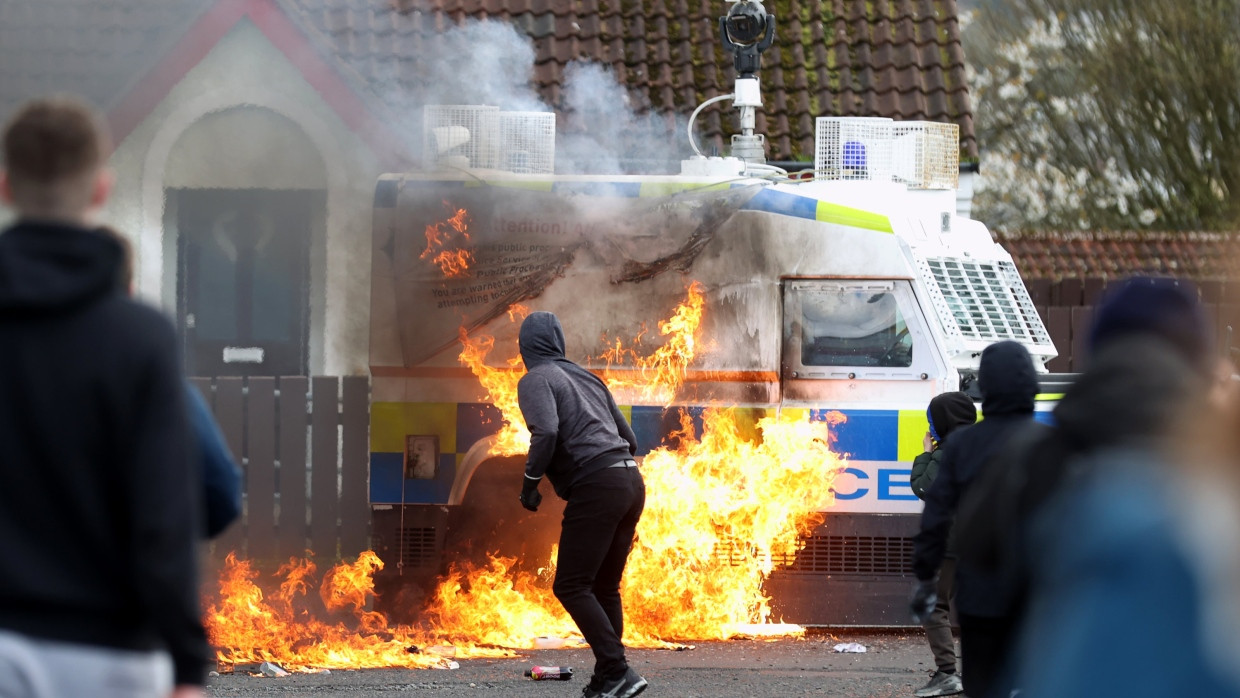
241,99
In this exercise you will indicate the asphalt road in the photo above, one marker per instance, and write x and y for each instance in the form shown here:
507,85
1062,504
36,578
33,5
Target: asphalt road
895,665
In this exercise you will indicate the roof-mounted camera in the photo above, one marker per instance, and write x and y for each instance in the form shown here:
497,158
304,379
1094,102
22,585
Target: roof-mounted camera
747,30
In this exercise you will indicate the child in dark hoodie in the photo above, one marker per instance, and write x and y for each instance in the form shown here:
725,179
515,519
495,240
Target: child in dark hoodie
946,413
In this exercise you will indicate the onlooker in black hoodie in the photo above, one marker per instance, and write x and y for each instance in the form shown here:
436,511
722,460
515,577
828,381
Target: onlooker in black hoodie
221,478
946,414
580,440
99,495
1009,385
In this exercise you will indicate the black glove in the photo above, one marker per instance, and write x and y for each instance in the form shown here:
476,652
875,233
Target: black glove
530,496
925,595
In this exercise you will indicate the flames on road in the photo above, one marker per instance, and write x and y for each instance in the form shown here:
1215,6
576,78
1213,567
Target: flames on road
729,497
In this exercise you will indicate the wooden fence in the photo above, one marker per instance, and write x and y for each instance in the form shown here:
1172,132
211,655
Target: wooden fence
303,446
1067,310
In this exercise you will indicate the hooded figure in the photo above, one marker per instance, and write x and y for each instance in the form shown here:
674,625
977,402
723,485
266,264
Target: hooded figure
1008,383
946,413
580,440
1114,546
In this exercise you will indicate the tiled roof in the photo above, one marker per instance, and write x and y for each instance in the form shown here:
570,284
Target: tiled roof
896,58
1189,255
96,49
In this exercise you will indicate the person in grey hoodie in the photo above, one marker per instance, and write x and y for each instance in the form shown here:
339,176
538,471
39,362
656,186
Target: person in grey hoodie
581,442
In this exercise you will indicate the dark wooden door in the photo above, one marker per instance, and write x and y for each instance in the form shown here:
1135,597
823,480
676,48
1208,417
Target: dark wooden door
243,297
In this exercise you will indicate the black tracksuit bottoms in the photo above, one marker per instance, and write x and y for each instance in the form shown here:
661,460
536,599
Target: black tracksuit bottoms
985,644
600,520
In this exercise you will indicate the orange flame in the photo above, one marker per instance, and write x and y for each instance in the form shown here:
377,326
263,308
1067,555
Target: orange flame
248,629
501,386
723,510
496,605
660,374
656,379
453,232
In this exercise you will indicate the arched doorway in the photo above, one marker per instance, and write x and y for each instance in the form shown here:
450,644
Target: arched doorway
245,199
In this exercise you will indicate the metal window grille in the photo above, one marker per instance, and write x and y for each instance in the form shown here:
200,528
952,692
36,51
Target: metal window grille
878,555
853,148
457,135
527,142
926,154
984,301
418,548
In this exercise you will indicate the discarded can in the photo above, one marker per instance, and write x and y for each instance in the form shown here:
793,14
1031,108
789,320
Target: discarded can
271,670
550,673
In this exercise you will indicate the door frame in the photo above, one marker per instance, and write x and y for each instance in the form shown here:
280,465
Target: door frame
175,282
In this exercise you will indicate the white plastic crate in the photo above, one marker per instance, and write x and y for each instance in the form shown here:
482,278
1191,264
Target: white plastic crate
926,154
853,148
460,135
527,142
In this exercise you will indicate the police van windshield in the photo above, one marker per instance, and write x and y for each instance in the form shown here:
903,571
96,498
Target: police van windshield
854,327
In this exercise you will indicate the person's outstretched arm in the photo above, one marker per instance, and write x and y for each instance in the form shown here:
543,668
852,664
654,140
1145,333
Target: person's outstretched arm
220,475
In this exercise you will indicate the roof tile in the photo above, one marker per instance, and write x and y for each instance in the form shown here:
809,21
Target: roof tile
1116,254
897,58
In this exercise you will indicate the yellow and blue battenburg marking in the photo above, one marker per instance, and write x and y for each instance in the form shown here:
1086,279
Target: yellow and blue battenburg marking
867,435
768,200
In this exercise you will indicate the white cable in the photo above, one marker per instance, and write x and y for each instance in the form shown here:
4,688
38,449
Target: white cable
761,166
702,106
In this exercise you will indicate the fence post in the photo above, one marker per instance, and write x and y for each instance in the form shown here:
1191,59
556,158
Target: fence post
292,474
324,439
355,467
230,415
260,478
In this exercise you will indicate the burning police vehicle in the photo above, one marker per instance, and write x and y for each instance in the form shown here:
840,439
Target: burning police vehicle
774,340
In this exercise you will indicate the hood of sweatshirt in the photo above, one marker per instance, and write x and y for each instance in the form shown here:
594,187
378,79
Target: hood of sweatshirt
949,411
1007,379
541,339
1133,395
48,268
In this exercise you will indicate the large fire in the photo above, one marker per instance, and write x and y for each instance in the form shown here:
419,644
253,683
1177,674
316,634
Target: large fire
501,386
660,374
727,497
250,627
445,244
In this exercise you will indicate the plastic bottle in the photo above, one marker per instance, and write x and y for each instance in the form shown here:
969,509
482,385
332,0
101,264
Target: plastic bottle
550,673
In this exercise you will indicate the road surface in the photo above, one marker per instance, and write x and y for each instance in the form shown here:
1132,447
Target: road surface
895,664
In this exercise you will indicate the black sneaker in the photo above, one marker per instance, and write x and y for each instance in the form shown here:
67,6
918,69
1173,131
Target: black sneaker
592,688
626,686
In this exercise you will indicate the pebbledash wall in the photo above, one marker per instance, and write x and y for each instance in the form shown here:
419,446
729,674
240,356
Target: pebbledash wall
245,117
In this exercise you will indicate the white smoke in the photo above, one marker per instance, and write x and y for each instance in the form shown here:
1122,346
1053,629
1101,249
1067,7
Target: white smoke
491,63
483,63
